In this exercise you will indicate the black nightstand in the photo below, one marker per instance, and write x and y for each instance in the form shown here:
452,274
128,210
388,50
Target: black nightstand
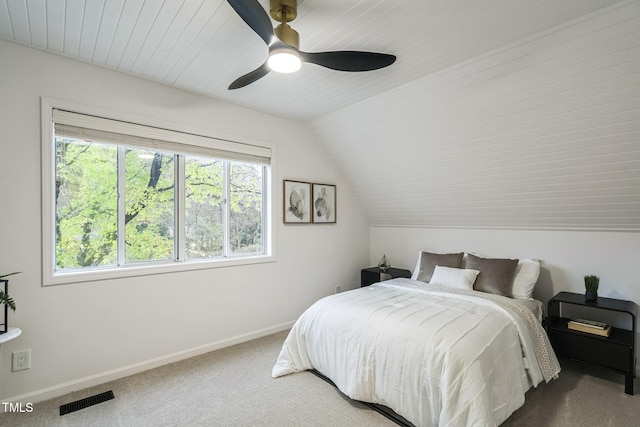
616,353
372,275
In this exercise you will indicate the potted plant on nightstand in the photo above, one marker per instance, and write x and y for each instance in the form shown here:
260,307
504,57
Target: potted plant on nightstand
6,300
591,284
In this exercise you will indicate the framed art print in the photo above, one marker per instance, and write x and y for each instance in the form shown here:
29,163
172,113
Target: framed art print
297,202
324,203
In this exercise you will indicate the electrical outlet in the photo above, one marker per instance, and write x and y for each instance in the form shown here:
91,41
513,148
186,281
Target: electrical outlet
338,289
20,360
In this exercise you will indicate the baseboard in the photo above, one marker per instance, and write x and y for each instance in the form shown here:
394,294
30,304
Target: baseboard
125,371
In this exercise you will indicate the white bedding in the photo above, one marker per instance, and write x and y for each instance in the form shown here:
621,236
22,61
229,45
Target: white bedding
438,357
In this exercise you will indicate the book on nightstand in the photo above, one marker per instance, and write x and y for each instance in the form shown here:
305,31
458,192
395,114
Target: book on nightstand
590,327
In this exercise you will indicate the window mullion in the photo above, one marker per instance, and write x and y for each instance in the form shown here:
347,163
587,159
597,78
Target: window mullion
226,250
180,206
121,204
266,207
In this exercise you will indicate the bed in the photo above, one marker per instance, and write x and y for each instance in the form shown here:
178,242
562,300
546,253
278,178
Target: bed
436,354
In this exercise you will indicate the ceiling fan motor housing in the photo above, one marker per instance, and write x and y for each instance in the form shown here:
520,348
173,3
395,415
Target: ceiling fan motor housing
283,10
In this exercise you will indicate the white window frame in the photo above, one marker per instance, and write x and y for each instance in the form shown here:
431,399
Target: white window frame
200,142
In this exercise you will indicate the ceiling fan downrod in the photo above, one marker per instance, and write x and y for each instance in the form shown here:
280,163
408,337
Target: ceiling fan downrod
285,11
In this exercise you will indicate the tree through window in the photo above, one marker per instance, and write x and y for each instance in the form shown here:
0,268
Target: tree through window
117,203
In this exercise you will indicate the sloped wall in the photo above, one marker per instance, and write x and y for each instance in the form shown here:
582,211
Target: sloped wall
542,134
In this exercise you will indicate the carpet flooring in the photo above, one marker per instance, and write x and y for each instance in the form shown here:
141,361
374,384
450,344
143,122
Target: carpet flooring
233,387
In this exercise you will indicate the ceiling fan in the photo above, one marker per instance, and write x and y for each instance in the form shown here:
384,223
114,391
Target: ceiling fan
283,43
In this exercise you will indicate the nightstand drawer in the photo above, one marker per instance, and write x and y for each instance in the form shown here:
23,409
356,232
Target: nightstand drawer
592,350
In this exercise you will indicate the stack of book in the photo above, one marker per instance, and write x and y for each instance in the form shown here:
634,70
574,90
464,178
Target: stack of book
589,326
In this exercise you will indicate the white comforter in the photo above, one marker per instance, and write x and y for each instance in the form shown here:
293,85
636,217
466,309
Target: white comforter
438,357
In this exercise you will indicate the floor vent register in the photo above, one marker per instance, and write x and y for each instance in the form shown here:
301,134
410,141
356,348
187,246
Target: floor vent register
86,402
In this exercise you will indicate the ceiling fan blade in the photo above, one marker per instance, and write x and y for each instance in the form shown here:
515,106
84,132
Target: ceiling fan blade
255,17
348,60
251,77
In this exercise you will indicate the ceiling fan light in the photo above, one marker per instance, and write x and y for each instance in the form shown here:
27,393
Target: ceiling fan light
284,61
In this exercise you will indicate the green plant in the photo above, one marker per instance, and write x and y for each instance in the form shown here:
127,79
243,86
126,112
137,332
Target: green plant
5,298
591,283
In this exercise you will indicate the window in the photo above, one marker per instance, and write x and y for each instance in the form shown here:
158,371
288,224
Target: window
125,199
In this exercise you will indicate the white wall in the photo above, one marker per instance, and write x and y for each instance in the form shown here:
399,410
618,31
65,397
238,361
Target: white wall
566,256
83,334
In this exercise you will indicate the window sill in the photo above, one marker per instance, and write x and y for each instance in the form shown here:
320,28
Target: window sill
63,278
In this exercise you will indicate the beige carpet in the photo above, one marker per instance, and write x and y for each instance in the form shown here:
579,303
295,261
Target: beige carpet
582,396
233,387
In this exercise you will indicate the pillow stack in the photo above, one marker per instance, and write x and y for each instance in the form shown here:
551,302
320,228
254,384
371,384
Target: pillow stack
500,276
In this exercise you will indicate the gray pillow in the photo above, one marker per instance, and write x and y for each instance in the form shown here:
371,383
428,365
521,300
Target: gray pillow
496,274
428,262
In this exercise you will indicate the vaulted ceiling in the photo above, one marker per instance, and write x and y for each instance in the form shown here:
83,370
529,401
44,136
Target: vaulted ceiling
202,45
497,113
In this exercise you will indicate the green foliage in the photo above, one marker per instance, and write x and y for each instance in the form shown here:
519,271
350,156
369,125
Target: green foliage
2,276
5,298
591,283
245,208
204,204
87,205
149,201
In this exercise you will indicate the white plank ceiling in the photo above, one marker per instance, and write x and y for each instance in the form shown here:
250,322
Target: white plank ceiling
202,45
496,114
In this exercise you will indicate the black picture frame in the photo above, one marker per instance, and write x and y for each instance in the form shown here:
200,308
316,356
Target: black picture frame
324,204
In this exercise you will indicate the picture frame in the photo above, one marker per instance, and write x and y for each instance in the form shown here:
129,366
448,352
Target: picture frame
324,204
296,202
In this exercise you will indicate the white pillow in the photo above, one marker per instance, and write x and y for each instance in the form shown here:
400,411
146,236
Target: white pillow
416,271
526,276
458,278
